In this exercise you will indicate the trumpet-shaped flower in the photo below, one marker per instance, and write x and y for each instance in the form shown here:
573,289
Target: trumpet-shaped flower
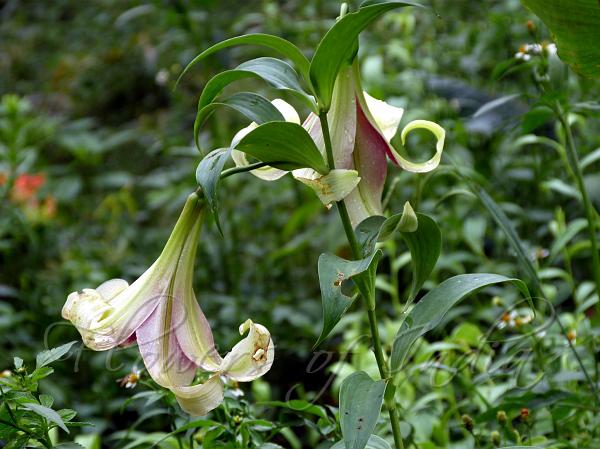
361,129
160,312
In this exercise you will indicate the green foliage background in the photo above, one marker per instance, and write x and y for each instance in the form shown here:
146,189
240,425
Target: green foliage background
100,118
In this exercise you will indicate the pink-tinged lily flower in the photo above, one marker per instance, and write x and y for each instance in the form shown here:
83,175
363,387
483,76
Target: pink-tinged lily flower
159,311
361,129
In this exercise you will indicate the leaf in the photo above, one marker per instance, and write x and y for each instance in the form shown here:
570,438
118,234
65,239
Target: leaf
333,272
208,175
360,404
432,308
374,442
494,104
502,220
46,357
47,413
424,244
275,72
590,158
285,145
255,107
340,44
276,43
299,405
574,228
575,25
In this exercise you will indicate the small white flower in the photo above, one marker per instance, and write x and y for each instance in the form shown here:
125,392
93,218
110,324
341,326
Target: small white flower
550,49
162,76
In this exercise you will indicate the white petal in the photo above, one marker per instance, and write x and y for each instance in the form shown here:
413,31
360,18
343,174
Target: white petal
332,187
202,398
252,357
287,110
386,117
166,362
109,289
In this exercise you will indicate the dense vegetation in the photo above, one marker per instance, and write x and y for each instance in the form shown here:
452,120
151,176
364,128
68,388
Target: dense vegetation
97,157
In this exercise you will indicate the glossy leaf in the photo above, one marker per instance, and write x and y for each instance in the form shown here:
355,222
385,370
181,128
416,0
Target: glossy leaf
431,309
575,25
208,175
284,145
255,107
374,442
333,272
424,244
276,43
339,46
277,73
361,399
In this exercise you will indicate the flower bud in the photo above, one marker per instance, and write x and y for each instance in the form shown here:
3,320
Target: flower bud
501,417
495,435
524,414
468,423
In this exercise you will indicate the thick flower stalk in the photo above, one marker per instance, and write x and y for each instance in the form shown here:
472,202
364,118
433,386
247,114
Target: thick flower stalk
160,312
361,130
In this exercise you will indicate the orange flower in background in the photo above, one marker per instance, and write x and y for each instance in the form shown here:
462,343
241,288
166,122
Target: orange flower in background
27,186
25,192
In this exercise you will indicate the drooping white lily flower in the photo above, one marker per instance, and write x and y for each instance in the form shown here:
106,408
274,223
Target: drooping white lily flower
160,312
361,129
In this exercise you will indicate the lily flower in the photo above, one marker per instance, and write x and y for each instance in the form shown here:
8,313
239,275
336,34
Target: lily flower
361,129
160,312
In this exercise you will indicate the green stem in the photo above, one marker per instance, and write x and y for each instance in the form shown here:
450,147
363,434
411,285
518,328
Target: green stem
357,254
590,213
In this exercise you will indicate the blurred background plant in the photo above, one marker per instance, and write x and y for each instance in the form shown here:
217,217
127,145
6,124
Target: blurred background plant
97,157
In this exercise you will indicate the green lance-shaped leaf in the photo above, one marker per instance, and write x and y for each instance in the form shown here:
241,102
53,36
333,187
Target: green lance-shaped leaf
284,145
360,404
424,243
339,46
502,220
432,308
276,43
575,25
255,107
276,73
333,272
208,175
47,413
51,355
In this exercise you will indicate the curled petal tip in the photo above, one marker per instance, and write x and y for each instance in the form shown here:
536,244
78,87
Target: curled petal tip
427,166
